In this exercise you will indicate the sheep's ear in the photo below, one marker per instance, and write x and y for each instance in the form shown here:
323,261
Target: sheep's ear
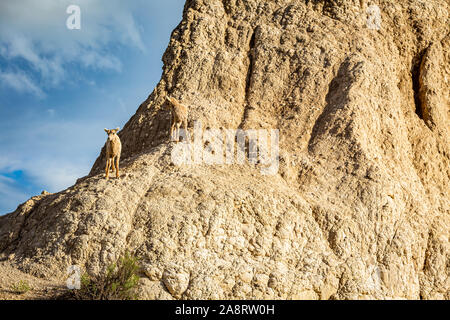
117,129
106,130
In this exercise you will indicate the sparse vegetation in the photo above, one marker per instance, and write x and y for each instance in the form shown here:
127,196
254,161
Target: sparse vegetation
118,283
21,287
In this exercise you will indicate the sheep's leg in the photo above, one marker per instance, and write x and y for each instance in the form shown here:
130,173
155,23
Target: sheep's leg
188,138
117,167
177,131
172,127
108,164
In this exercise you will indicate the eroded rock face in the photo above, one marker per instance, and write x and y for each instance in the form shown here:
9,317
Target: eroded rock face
359,208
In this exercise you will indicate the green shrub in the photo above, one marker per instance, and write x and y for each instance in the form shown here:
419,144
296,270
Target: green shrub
20,287
118,283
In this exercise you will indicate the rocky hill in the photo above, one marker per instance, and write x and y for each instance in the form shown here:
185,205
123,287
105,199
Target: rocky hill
359,207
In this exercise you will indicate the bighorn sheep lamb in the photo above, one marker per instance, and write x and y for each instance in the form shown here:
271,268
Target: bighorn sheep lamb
179,116
113,150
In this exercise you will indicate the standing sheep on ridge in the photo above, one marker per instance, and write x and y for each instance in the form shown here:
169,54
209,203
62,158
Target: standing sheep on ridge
179,116
113,150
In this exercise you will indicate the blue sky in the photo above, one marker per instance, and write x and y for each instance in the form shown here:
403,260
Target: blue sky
59,88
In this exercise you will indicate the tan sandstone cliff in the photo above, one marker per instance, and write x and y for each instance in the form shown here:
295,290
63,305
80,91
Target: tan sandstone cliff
360,205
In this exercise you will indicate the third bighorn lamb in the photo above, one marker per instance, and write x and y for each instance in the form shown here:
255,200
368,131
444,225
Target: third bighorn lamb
179,117
113,150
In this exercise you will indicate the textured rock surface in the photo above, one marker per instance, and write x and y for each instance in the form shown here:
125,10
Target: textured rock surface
360,207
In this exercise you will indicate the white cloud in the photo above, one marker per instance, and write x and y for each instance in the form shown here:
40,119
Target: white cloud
48,174
10,194
55,174
35,32
21,83
52,161
4,180
51,172
94,60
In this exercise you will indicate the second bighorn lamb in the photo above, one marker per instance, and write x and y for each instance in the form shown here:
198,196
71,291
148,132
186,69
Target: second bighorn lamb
113,150
179,117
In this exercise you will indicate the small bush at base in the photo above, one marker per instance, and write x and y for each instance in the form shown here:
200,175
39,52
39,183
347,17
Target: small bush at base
118,283
21,287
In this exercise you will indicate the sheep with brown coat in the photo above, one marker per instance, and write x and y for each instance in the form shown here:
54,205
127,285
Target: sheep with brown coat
113,150
179,117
